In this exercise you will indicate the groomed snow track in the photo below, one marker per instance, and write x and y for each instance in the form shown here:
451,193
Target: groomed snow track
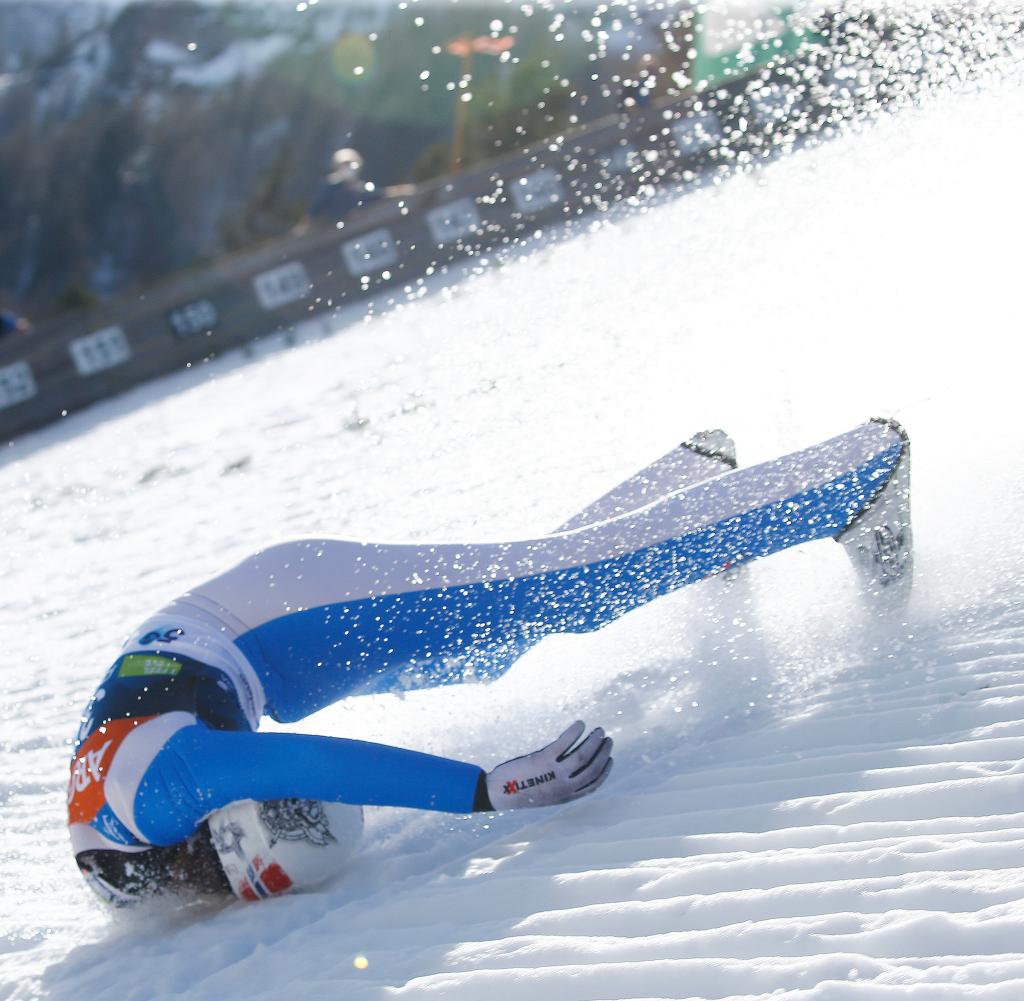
869,846
810,801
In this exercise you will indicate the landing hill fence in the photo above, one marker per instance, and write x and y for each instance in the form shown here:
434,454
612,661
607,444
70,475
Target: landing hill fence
93,354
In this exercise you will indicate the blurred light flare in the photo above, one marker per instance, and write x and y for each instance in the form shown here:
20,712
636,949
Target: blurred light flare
353,58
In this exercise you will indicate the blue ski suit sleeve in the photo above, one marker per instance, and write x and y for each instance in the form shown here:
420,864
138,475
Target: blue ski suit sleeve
199,770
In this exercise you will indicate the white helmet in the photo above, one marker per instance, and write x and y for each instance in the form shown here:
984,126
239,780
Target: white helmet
272,847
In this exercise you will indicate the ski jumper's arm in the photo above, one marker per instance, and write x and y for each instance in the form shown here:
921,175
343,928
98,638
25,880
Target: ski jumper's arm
199,770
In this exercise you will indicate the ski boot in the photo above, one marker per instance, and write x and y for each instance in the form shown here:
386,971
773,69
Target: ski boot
714,444
879,540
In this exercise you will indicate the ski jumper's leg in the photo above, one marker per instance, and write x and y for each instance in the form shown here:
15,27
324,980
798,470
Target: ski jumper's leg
325,619
706,454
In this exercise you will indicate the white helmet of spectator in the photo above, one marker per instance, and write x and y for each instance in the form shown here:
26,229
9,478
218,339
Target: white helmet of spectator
273,847
346,165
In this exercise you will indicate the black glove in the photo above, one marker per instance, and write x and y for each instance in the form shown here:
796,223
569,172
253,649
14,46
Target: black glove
554,774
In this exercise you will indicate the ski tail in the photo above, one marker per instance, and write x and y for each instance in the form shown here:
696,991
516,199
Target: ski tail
702,456
879,540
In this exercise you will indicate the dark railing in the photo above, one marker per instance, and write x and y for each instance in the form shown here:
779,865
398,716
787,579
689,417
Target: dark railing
93,354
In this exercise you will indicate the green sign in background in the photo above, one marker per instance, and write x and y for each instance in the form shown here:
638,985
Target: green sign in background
762,32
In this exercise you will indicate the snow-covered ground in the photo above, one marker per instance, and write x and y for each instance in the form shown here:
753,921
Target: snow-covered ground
807,802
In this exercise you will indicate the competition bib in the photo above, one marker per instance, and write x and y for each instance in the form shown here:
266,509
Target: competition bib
89,768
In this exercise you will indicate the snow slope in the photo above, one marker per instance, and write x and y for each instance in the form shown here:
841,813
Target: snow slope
808,802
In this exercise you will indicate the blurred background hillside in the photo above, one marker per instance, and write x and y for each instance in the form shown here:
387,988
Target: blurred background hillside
150,138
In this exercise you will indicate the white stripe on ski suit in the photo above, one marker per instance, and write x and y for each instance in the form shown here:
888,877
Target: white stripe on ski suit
309,573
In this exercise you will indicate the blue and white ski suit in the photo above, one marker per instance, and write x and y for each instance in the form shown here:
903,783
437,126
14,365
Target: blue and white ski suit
170,734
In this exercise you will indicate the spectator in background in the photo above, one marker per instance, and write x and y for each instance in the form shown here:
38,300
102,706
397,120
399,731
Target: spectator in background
11,323
343,189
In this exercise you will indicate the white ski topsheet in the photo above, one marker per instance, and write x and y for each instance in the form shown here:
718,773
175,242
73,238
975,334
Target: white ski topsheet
807,804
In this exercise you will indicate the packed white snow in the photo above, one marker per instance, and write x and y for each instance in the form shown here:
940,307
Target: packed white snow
807,802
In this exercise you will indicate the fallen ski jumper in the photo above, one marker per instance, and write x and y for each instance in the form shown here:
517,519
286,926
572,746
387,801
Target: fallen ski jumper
171,786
